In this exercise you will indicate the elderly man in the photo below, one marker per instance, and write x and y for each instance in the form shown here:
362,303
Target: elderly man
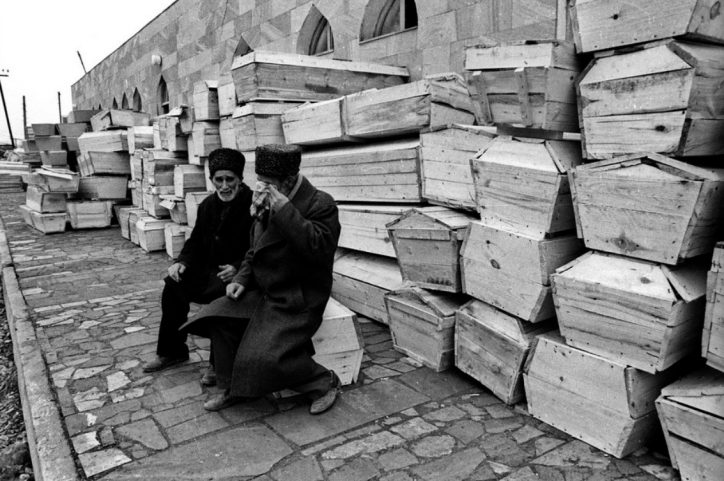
210,258
262,330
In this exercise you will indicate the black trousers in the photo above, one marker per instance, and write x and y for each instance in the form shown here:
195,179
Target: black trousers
175,304
226,334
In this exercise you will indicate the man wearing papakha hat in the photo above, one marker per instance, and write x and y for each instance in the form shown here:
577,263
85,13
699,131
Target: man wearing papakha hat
209,259
261,332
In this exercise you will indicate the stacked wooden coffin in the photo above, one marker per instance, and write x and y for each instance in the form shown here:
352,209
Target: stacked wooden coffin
712,341
45,204
632,309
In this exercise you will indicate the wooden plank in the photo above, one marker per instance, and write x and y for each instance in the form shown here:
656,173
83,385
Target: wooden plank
364,227
314,123
543,54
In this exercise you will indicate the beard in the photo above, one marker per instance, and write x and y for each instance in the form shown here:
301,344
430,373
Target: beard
228,194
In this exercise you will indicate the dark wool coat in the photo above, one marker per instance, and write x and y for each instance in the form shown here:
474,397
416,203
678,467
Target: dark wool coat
287,274
220,236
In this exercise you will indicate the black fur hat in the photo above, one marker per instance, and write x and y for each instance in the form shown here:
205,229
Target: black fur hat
278,160
227,159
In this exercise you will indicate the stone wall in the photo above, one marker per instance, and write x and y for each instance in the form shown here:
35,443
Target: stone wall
196,40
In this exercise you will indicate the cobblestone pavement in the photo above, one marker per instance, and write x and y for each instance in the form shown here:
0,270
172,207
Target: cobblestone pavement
94,299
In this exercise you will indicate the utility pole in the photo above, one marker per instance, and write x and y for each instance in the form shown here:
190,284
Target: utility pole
25,120
6,73
60,111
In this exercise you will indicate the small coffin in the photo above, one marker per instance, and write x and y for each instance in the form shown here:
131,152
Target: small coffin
364,227
90,214
151,236
46,223
713,337
259,123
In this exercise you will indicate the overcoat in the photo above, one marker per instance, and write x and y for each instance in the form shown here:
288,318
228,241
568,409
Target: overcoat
287,275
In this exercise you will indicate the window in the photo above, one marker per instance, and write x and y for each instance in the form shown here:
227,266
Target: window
383,17
315,36
163,106
100,107
137,104
124,102
114,105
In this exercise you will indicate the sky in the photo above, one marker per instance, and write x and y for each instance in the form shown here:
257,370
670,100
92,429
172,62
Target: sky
38,44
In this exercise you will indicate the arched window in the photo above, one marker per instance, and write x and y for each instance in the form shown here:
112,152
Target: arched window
163,105
383,17
100,107
114,105
124,102
242,48
315,36
137,104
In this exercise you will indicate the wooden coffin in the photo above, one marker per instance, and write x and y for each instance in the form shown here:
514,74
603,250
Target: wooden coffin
139,138
206,138
445,155
46,223
604,24
137,165
227,95
109,119
192,201
259,123
103,187
492,347
364,227
712,340
227,134
111,141
522,184
171,134
422,324
150,233
51,179
600,401
188,178
44,202
75,129
176,207
650,207
206,100
436,100
52,142
158,167
380,172
275,75
124,214
100,163
78,116
529,85
153,202
54,158
136,188
133,217
90,214
174,238
192,158
362,280
645,314
44,130
314,123
338,342
691,411
427,243
663,98
511,270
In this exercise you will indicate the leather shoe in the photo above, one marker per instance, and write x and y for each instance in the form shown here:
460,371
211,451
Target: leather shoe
209,377
162,362
326,400
217,402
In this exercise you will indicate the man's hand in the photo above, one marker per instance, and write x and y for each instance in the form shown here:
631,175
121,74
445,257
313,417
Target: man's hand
176,270
276,198
226,272
234,290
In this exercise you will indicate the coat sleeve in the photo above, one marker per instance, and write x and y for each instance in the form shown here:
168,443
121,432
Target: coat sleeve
244,275
314,237
191,253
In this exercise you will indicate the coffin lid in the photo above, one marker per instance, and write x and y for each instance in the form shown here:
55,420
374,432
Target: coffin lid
508,325
373,269
172,198
661,162
264,108
445,218
375,209
529,54
535,154
56,172
485,130
442,304
260,56
702,390
152,222
686,281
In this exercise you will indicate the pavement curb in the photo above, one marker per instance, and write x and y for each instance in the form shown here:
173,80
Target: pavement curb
50,449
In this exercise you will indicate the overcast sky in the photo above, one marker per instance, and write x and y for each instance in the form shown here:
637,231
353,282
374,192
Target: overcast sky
38,44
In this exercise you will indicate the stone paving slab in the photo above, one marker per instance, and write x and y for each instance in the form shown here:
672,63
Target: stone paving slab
94,300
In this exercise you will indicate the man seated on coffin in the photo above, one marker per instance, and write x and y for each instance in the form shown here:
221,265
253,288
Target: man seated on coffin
209,260
261,332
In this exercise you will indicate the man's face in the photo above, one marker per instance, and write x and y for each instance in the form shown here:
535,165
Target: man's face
227,184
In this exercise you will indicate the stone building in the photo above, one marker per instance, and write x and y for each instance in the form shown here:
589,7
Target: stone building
195,40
